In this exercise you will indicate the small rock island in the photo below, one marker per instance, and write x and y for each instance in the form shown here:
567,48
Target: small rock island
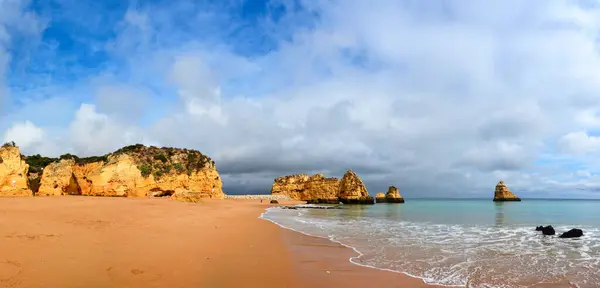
392,196
503,194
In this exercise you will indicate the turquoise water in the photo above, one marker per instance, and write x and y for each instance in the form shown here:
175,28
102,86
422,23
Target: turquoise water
474,243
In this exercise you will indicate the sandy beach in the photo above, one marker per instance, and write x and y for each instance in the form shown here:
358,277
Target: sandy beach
121,242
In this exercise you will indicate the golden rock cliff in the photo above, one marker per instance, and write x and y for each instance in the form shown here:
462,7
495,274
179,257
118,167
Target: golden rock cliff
58,179
393,195
353,191
316,188
503,194
134,171
13,172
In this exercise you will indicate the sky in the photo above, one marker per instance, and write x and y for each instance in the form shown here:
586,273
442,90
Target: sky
440,98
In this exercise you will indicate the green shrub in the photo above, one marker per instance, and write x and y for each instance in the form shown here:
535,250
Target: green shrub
161,158
179,168
9,144
146,170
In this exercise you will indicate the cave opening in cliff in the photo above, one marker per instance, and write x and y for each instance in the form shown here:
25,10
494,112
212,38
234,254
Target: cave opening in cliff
157,192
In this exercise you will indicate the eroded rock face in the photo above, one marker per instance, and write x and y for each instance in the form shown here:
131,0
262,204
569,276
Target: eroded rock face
136,171
393,196
503,194
380,197
13,172
353,191
316,188
58,179
121,176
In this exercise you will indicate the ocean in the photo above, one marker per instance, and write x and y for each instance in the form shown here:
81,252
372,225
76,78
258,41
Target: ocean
473,243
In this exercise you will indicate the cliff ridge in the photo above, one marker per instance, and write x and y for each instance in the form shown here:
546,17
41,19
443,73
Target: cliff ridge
132,171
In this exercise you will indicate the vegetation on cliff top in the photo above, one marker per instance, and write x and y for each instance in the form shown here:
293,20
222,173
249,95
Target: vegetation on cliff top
161,161
149,160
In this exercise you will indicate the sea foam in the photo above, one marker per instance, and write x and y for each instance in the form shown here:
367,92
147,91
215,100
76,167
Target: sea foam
455,255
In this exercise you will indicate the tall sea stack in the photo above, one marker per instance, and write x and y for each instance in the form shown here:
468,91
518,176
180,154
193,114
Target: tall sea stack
503,194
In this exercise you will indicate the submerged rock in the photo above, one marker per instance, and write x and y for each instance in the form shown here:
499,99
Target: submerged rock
573,233
503,194
274,201
310,207
548,230
323,201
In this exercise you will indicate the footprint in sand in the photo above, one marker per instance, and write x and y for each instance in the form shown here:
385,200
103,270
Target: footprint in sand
9,270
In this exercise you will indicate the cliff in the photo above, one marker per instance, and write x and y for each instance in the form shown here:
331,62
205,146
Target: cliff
353,191
132,171
318,189
503,194
13,172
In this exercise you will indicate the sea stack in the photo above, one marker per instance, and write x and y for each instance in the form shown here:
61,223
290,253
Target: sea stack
380,197
393,196
353,191
503,194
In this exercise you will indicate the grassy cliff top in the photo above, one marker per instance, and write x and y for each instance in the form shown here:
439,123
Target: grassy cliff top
149,159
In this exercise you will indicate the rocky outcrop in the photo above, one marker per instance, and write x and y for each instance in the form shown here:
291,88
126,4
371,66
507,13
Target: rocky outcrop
13,172
573,233
58,179
393,196
548,230
317,189
380,197
132,171
353,191
503,194
183,195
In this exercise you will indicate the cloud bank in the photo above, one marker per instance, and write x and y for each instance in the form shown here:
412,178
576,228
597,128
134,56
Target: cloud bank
440,98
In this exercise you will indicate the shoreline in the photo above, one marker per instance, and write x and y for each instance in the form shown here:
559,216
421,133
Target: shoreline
340,259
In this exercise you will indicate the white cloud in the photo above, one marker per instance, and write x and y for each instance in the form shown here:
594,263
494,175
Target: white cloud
436,101
26,134
579,143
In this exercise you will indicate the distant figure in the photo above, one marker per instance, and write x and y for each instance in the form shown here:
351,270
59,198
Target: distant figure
261,200
14,182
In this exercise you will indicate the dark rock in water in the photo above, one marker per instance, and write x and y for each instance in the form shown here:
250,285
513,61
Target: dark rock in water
310,207
323,201
539,228
362,200
573,233
548,230
274,201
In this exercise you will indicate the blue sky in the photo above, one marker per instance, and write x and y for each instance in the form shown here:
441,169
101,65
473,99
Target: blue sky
439,98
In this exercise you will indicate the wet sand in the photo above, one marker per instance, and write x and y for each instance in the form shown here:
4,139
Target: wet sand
120,242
